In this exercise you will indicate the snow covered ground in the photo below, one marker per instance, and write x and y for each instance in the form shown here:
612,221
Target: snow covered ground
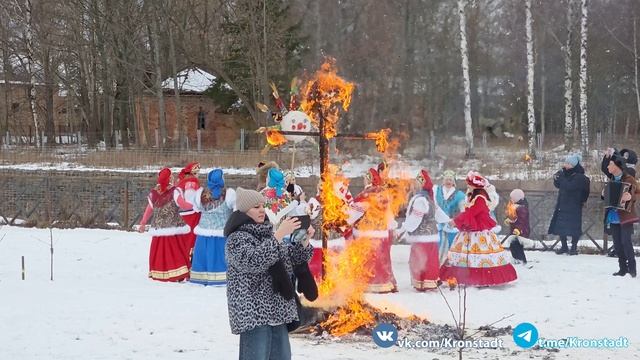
102,306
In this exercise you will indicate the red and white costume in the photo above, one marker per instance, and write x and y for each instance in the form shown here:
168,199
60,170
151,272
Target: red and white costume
378,231
168,255
422,234
476,257
185,196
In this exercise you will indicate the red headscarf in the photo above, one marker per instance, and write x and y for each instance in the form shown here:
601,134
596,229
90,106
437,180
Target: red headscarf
427,184
374,177
187,170
164,177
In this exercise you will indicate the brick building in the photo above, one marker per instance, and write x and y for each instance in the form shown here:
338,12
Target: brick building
218,130
15,110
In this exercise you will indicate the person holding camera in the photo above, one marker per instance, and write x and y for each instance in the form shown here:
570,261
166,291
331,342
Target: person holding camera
260,295
574,187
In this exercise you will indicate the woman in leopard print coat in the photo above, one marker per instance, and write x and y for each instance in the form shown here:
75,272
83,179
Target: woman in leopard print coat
259,290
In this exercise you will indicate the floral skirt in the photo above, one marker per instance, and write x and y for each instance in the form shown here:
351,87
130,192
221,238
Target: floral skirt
478,259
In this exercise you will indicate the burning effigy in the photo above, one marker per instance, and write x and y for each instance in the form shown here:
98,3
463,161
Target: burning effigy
366,221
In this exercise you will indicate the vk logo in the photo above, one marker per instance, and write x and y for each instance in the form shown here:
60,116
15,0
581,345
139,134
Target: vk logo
385,335
525,335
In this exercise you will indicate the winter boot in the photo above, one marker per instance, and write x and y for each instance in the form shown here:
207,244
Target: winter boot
620,273
563,250
574,247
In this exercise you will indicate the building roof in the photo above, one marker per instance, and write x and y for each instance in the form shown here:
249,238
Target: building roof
191,80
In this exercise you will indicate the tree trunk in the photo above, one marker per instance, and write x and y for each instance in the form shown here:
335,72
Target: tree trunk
568,83
626,126
543,87
635,65
48,80
28,34
584,120
531,117
158,83
465,75
179,132
7,89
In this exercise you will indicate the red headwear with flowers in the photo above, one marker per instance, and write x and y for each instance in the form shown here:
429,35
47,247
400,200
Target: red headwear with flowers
164,177
475,180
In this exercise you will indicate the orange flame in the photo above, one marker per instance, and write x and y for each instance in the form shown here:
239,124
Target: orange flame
348,272
382,139
275,138
349,318
510,210
323,93
334,207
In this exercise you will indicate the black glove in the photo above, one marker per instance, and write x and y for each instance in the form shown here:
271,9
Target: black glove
306,283
281,281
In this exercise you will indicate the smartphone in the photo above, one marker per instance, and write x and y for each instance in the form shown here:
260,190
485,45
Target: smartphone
301,233
305,221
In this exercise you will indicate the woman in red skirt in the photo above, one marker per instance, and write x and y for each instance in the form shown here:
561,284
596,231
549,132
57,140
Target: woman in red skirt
422,233
168,256
476,256
373,202
185,197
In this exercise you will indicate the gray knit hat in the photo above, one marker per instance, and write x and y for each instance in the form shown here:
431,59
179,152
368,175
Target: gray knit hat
246,199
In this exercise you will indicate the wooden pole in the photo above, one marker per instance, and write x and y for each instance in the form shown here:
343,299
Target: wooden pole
126,204
22,267
324,162
51,247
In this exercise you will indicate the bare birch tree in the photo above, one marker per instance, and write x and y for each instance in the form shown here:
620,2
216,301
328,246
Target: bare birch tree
28,36
584,120
568,81
531,117
464,52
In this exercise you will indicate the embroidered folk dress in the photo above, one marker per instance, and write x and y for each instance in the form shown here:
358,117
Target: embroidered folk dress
209,266
476,257
168,255
424,263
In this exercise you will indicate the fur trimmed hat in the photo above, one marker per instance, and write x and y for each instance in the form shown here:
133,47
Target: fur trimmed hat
261,172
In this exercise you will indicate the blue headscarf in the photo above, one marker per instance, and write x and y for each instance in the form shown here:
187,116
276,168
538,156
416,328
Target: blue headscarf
276,181
215,181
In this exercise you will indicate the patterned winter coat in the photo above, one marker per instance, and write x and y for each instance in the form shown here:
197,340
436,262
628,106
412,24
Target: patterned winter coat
250,250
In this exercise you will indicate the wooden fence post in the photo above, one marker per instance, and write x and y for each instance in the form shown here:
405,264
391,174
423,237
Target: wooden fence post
126,203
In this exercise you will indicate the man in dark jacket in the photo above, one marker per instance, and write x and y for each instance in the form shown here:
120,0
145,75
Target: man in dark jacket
631,159
573,193
620,221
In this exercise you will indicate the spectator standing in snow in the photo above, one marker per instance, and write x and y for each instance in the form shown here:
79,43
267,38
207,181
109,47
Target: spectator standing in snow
573,186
